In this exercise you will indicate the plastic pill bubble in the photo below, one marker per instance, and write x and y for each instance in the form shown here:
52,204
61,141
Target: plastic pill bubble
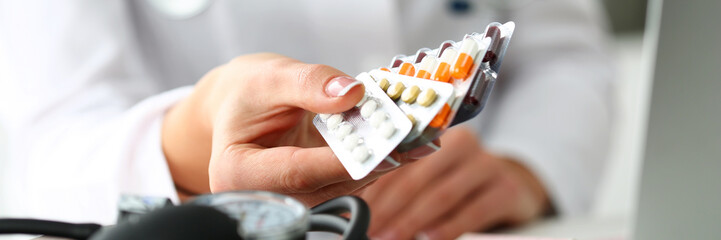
343,130
427,97
350,141
360,154
387,129
324,116
369,107
407,69
464,62
384,84
377,118
410,94
395,90
334,121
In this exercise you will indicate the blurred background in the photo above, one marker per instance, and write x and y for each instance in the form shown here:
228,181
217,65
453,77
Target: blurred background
612,215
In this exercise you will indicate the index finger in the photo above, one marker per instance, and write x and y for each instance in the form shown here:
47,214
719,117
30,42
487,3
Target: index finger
280,169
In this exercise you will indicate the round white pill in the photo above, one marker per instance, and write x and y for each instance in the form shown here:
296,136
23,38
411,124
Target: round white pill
343,130
323,116
350,141
360,154
387,129
368,108
334,120
377,118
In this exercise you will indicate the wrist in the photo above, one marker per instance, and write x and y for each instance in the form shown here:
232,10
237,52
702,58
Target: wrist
186,144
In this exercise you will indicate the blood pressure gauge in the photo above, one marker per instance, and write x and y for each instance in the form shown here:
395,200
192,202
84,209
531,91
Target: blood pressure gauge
261,215
229,215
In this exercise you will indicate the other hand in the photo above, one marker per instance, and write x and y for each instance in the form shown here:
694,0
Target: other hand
458,189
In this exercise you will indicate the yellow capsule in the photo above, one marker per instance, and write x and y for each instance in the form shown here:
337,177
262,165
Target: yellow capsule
395,90
383,83
410,94
427,97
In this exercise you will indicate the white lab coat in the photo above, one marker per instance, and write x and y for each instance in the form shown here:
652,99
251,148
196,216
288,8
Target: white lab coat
94,78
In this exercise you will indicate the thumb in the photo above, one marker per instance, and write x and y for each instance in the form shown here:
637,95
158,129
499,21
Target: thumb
321,89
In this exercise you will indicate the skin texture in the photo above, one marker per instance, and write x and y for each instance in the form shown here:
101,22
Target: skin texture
247,126
460,188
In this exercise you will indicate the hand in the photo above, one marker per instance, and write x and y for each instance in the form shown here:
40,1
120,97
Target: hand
245,126
458,189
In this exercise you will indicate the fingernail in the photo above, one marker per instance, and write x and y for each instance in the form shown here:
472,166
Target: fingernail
387,165
339,86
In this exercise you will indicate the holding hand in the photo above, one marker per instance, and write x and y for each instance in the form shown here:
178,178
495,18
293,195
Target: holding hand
247,125
460,188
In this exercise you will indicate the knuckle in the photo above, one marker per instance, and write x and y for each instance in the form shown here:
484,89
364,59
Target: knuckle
293,181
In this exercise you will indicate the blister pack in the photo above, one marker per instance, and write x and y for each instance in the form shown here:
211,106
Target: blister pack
362,137
415,98
420,100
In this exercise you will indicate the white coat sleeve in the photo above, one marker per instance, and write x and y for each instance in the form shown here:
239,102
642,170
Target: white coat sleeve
84,118
552,108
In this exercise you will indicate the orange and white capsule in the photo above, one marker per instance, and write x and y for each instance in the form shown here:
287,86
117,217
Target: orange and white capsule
407,69
385,69
443,71
426,67
464,62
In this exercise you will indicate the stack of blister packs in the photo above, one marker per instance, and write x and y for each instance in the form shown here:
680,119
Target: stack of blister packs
410,102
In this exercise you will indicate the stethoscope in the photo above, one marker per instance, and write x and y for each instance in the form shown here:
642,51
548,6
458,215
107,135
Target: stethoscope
229,215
